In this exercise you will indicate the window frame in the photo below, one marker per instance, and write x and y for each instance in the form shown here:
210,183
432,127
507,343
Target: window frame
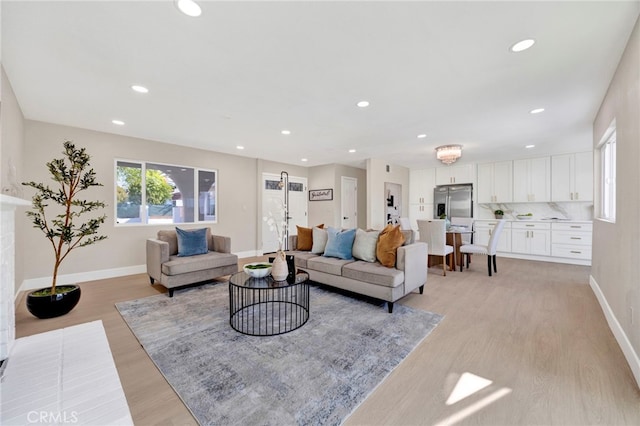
144,220
607,151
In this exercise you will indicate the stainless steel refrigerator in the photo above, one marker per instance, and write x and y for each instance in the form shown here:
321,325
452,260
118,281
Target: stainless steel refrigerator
453,200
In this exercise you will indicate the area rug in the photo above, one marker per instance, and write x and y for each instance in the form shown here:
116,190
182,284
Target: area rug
316,375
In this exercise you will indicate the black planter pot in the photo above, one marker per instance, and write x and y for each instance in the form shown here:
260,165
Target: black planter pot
53,306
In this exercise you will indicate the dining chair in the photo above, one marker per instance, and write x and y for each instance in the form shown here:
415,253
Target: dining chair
433,232
489,250
405,224
467,222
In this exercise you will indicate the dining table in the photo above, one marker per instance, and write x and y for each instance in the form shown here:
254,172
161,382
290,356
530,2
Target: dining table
454,239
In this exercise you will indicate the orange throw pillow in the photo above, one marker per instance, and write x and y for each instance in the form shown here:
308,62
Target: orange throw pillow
388,242
305,238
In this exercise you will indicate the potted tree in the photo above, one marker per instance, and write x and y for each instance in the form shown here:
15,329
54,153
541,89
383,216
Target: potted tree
62,227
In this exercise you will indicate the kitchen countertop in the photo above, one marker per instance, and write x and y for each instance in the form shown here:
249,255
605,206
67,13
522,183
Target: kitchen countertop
540,220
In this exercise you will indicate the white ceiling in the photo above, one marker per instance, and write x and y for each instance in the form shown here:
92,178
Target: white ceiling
244,71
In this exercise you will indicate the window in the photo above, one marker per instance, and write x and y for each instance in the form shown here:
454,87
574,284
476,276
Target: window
608,177
153,193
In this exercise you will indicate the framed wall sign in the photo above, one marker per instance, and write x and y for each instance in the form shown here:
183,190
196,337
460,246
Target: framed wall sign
320,194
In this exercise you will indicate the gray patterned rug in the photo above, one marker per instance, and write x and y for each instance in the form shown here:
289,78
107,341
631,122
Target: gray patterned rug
317,374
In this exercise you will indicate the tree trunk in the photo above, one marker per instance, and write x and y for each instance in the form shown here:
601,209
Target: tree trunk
55,277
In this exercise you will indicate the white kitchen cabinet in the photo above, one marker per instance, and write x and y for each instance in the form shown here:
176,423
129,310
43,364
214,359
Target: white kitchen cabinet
572,177
531,238
420,212
450,175
571,240
483,233
531,180
495,182
421,184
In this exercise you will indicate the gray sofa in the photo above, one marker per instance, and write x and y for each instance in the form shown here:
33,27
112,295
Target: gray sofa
165,266
370,279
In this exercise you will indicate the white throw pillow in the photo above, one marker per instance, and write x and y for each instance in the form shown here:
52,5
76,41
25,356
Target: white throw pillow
364,246
319,240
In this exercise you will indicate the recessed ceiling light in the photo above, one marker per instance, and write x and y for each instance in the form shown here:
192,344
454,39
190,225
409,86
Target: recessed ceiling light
303,159
189,7
352,151
139,89
118,122
530,146
422,136
536,111
523,45
363,104
239,147
286,132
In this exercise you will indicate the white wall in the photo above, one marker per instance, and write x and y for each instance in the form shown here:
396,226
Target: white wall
239,195
377,175
616,246
361,176
125,246
11,144
330,176
322,177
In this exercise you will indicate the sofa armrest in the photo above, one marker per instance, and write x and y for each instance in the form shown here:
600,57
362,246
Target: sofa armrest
221,244
412,260
157,254
293,242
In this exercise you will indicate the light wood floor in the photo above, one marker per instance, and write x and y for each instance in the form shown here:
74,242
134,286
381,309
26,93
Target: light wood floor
535,330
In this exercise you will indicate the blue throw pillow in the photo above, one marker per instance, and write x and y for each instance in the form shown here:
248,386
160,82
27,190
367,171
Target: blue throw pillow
192,242
339,243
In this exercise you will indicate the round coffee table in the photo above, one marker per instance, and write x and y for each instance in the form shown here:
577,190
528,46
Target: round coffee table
265,307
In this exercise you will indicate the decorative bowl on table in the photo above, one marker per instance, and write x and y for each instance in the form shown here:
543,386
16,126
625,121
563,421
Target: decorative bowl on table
257,269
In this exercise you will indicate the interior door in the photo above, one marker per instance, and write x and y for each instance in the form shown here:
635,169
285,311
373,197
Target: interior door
273,206
349,203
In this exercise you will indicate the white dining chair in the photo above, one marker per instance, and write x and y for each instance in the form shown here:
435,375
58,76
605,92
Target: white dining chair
489,250
433,232
466,222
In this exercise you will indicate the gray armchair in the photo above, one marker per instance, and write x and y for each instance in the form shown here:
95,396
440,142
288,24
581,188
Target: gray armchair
170,270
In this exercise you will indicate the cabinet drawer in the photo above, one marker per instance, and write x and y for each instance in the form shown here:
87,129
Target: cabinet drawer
585,227
572,252
489,224
530,225
573,238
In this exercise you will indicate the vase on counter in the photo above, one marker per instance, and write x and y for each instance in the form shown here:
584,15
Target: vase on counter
279,268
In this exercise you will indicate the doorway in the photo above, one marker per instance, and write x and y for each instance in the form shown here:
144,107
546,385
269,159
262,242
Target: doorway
273,206
349,203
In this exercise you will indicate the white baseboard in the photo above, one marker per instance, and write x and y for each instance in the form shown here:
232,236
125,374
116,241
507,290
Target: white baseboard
546,258
35,283
249,253
627,349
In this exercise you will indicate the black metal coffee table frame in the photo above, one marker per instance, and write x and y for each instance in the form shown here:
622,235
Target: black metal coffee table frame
265,307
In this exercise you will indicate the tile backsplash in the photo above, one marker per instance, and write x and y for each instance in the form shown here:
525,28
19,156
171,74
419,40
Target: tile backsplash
560,210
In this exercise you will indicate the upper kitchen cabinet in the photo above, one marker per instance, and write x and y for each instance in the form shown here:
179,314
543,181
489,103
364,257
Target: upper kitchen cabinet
450,175
495,182
421,183
572,177
531,180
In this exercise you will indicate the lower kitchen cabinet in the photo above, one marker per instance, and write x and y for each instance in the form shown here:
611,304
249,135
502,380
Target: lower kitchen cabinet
531,238
571,240
562,242
483,233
